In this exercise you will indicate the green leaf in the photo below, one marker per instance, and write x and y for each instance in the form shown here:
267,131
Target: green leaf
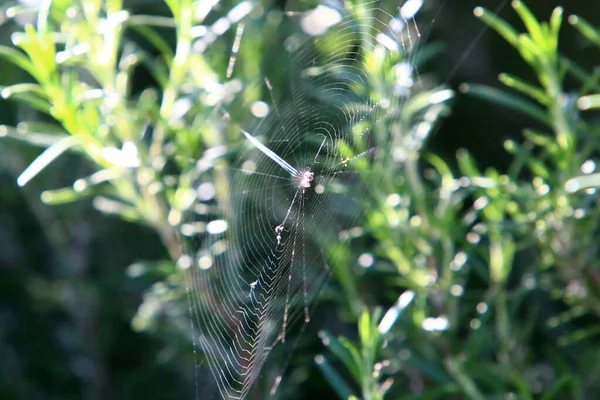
40,49
582,182
579,335
502,251
339,385
20,60
104,175
499,25
356,357
9,91
508,100
60,196
555,23
468,385
364,327
467,164
33,138
423,101
430,368
530,51
110,206
44,159
440,392
589,102
576,70
531,23
33,101
19,10
538,167
524,87
540,139
521,385
29,93
343,352
175,7
590,82
440,165
586,29
58,9
114,6
153,38
553,391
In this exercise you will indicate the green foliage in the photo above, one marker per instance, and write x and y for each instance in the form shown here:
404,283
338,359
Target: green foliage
362,361
492,256
501,264
83,77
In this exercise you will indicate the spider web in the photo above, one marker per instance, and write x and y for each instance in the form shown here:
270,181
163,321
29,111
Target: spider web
258,266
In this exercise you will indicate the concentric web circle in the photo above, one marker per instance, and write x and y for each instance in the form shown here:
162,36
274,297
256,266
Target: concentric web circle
261,255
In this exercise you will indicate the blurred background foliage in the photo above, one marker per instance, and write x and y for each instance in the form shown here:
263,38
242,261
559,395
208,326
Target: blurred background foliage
475,276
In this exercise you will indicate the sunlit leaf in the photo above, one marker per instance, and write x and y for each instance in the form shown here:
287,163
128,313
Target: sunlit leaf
44,159
342,389
508,100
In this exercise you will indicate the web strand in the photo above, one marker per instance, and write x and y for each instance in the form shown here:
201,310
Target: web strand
258,267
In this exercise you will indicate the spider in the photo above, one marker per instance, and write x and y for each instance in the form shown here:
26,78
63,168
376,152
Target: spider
303,179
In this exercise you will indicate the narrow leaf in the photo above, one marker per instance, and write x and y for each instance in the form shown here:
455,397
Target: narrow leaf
557,387
582,182
33,101
110,206
60,196
356,357
522,386
529,50
470,389
540,139
44,159
531,23
342,389
524,87
175,7
588,102
154,39
467,164
508,100
586,29
343,353
9,91
590,82
19,59
364,327
555,23
499,25
33,138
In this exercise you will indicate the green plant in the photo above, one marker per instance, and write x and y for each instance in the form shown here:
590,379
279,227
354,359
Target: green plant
559,221
150,150
501,264
83,58
500,261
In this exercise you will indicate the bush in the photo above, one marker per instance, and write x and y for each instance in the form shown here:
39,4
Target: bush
448,280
